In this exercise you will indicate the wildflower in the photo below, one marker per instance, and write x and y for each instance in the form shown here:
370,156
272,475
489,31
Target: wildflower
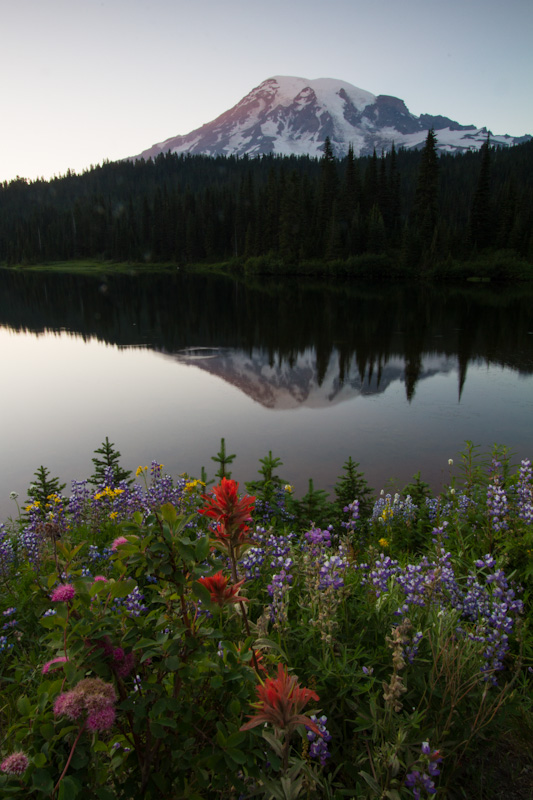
13,495
230,514
93,696
383,542
450,462
288,488
280,702
63,593
140,470
225,507
118,541
15,764
190,486
319,747
102,719
50,664
221,592
99,579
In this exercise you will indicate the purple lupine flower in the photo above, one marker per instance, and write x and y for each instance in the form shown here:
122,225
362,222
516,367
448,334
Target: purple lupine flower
319,744
524,490
353,510
497,506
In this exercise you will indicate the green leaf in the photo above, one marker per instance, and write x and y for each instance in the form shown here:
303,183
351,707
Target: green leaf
121,588
142,643
47,730
169,513
69,788
202,593
235,739
42,781
39,760
24,706
43,700
371,782
202,548
186,551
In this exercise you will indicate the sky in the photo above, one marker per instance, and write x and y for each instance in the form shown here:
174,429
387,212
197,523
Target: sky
82,81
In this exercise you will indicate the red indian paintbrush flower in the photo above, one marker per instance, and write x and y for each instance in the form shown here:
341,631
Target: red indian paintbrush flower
221,593
280,702
230,514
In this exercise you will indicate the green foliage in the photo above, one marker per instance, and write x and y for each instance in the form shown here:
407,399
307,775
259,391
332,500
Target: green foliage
223,460
269,482
395,659
109,459
43,486
418,211
312,508
350,486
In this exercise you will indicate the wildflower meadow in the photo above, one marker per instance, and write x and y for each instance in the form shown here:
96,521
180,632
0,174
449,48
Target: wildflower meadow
184,638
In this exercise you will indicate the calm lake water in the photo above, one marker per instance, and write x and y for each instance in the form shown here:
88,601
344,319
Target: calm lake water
396,376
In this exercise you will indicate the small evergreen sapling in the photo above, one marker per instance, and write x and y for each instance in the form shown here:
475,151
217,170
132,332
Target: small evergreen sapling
43,486
110,458
352,486
223,459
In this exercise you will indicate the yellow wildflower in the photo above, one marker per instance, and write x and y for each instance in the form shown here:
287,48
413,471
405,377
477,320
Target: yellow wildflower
388,513
113,515
288,488
383,542
191,485
140,471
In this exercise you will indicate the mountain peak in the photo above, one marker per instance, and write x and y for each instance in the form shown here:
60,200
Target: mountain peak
287,115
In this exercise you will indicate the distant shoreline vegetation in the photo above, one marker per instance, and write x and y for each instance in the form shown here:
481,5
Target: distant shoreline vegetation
402,214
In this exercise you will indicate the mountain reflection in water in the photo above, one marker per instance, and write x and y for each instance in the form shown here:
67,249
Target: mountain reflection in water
288,345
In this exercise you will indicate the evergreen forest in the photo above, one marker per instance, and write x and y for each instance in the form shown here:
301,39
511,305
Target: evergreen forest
398,214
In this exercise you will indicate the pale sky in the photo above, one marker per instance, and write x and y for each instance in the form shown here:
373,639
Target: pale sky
87,80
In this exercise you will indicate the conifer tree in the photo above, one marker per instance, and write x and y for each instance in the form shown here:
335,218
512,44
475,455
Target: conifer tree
43,486
481,213
110,459
425,208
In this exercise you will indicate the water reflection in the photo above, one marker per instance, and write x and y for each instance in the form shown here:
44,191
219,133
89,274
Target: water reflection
395,376
299,334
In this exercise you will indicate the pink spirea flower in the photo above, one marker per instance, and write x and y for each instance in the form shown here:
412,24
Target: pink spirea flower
55,661
68,704
15,764
99,578
101,720
92,695
63,593
118,541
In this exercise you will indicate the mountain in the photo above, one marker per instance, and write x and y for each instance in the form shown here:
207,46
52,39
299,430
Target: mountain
293,116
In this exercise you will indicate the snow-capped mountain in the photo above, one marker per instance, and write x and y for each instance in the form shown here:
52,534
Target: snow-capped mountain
293,116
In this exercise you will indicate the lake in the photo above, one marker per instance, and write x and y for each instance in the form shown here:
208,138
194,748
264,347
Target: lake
397,376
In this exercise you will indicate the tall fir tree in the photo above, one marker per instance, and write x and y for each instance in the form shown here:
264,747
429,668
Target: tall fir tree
426,196
481,211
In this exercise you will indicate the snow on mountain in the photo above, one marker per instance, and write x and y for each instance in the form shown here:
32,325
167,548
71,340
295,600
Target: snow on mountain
293,116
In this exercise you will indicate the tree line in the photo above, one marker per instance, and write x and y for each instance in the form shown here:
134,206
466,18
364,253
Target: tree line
401,212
